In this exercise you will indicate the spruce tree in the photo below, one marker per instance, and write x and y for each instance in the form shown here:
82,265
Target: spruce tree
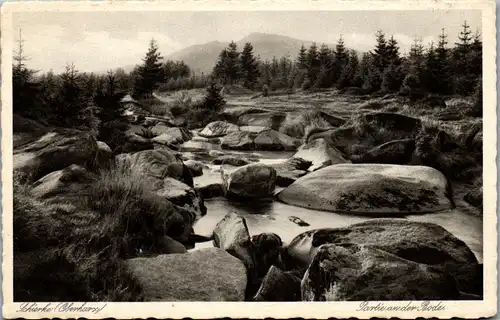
379,54
302,58
220,68
232,66
341,59
326,61
430,79
392,52
72,103
150,72
313,63
444,81
462,55
249,67
349,73
25,88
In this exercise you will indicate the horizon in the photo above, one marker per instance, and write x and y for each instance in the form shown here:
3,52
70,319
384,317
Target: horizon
99,41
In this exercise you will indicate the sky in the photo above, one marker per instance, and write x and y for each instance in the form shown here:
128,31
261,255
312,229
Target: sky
96,41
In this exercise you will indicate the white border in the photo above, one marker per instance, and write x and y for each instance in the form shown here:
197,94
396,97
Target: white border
464,309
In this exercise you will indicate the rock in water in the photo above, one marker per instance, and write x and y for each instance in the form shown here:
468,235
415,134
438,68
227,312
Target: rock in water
230,160
53,151
196,167
240,140
218,129
251,181
298,221
425,243
279,285
352,272
231,234
275,141
290,170
371,189
320,154
203,275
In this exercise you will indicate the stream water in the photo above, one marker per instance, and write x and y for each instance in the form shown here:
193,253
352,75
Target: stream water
273,216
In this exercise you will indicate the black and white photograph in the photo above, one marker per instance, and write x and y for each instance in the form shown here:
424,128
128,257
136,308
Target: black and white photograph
249,156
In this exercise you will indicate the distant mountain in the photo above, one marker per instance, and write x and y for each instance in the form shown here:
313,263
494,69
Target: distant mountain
202,57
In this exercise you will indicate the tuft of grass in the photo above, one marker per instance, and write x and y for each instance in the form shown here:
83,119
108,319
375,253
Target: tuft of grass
298,127
85,237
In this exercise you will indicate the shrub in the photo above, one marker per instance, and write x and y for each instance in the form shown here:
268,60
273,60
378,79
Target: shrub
265,90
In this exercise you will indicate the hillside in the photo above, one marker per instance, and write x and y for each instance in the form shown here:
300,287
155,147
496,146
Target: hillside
202,57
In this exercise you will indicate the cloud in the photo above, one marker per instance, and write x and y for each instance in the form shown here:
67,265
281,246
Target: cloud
51,47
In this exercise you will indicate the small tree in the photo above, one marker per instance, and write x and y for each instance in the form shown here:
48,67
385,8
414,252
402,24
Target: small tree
213,99
150,72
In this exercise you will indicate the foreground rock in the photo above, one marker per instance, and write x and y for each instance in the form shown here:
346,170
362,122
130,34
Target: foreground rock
352,272
53,151
68,181
250,181
279,285
258,253
218,129
175,134
372,189
424,243
320,154
202,275
196,167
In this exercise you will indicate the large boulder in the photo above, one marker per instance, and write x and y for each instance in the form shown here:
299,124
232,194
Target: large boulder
159,164
275,141
371,189
239,140
134,143
352,272
218,129
180,194
279,285
68,181
393,152
258,252
231,234
167,176
203,275
320,154
424,243
290,170
53,151
178,133
250,181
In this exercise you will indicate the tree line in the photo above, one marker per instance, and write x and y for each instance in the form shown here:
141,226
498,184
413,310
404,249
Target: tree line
438,68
